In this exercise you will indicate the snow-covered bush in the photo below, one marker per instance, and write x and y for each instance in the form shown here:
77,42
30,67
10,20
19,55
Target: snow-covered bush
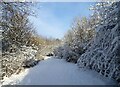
103,54
12,62
66,52
58,52
30,63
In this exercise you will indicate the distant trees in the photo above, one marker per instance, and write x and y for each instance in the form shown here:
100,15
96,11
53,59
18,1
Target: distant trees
83,32
76,39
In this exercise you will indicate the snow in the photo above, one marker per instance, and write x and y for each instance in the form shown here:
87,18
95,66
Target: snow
45,58
116,39
15,78
52,71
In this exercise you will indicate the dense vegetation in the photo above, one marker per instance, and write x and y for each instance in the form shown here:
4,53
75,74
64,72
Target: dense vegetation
76,40
94,43
20,42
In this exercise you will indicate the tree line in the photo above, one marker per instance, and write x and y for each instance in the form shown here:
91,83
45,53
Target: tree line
19,39
94,42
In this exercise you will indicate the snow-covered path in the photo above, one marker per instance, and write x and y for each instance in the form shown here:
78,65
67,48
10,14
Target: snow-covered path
59,72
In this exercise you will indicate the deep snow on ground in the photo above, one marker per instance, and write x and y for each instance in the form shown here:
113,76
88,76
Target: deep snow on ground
57,72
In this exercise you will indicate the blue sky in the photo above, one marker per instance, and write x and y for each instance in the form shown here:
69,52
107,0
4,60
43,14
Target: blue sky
55,18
